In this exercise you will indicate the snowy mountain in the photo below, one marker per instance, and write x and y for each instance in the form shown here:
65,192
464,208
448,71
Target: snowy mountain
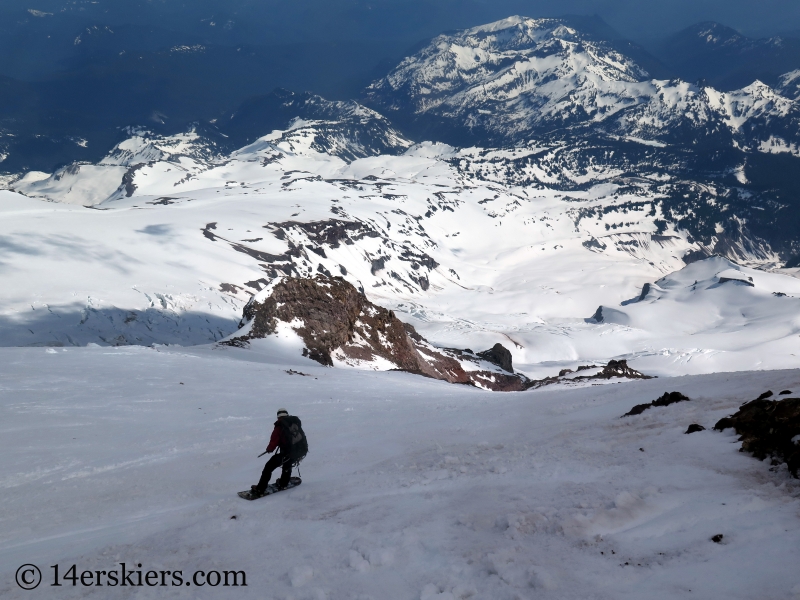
790,84
510,77
340,128
518,78
306,122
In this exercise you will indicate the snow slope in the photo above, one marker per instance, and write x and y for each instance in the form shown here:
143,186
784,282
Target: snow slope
412,488
715,300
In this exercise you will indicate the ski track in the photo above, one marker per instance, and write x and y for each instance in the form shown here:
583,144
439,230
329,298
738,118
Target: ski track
413,488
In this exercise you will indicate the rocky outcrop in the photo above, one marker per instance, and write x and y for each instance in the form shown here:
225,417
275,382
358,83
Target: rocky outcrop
500,356
330,315
339,326
666,399
768,428
619,368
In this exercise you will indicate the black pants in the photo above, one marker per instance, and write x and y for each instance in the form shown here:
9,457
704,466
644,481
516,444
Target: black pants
273,463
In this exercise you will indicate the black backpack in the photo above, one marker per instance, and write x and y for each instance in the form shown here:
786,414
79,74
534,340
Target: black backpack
295,437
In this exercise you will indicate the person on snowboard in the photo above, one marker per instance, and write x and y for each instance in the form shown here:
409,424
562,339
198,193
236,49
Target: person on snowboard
289,438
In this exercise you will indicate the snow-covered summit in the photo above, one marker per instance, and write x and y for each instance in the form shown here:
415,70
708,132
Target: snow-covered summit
510,76
87,184
520,77
715,34
144,146
344,131
342,128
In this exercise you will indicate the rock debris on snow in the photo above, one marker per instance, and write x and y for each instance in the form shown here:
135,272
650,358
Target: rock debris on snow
768,428
666,399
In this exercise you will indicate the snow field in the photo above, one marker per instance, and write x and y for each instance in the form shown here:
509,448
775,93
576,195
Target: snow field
412,489
513,263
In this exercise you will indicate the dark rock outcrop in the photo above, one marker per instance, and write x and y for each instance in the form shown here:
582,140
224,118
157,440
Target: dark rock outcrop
748,281
330,315
768,428
500,356
614,369
620,368
665,400
338,324
694,428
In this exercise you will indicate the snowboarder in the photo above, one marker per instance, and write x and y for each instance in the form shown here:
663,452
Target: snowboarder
288,437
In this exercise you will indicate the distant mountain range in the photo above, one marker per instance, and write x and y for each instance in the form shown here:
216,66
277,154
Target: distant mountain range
72,80
727,59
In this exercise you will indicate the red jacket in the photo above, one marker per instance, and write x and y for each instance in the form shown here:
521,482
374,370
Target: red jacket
276,439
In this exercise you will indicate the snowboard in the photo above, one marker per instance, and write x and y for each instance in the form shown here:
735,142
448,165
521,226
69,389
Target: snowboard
271,489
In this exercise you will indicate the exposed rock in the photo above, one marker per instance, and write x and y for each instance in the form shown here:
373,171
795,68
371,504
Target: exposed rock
604,314
717,539
378,264
768,428
293,372
694,427
735,275
665,400
594,245
614,369
339,325
726,279
620,368
498,355
784,392
329,233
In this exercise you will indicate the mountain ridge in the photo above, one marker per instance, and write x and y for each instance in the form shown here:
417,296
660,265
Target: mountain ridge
514,79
